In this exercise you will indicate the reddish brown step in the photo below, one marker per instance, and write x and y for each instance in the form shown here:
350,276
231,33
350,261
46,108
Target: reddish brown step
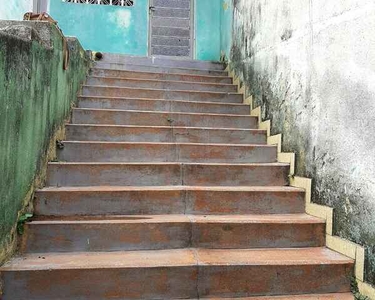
164,134
160,84
157,232
168,274
70,201
192,95
162,174
332,296
163,105
75,151
124,117
160,76
160,69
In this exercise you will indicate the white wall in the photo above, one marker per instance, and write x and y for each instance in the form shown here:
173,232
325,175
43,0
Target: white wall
310,64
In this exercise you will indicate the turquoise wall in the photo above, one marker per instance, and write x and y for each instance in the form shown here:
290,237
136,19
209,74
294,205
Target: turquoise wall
14,9
105,28
213,28
226,21
207,29
125,29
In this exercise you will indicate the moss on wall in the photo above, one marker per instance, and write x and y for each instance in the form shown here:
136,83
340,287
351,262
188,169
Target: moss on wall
310,65
36,96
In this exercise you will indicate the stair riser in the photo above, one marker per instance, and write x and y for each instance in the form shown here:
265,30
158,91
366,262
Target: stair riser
102,284
163,62
165,106
244,281
112,117
161,85
161,94
160,69
177,282
89,152
160,76
164,135
168,174
167,202
115,236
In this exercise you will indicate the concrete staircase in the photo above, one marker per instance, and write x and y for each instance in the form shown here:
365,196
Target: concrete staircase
166,189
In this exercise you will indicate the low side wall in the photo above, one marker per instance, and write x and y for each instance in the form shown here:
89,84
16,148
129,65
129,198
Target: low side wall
36,96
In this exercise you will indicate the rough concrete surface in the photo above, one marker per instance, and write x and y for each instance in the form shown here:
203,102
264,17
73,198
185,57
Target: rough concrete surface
310,65
36,95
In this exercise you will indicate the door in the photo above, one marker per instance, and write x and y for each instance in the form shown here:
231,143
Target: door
171,28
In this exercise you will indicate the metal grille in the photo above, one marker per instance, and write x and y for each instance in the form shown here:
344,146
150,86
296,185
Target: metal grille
103,2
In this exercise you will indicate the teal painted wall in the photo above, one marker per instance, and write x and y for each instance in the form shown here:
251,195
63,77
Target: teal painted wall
14,9
226,21
207,29
105,28
213,28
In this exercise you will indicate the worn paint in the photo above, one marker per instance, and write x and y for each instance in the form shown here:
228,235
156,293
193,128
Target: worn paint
105,28
14,10
207,29
226,22
213,34
36,97
309,67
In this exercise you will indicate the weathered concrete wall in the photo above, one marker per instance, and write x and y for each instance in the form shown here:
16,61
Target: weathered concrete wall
14,10
36,95
310,65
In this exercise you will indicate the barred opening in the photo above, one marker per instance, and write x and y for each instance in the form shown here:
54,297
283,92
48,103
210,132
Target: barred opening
103,2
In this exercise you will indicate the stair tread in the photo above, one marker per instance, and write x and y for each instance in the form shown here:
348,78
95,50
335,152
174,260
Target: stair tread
171,164
169,143
164,90
159,73
159,80
164,100
173,188
176,258
169,127
165,112
173,218
333,296
98,66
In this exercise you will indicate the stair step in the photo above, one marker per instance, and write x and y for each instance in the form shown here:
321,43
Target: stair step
181,273
160,76
165,134
200,96
161,61
70,201
163,105
159,69
151,118
332,296
160,84
84,151
162,174
158,232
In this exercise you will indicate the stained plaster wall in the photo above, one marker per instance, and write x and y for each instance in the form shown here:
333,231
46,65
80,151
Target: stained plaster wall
310,65
36,96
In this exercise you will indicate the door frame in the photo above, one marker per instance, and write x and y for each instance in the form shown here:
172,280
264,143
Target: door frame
192,32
